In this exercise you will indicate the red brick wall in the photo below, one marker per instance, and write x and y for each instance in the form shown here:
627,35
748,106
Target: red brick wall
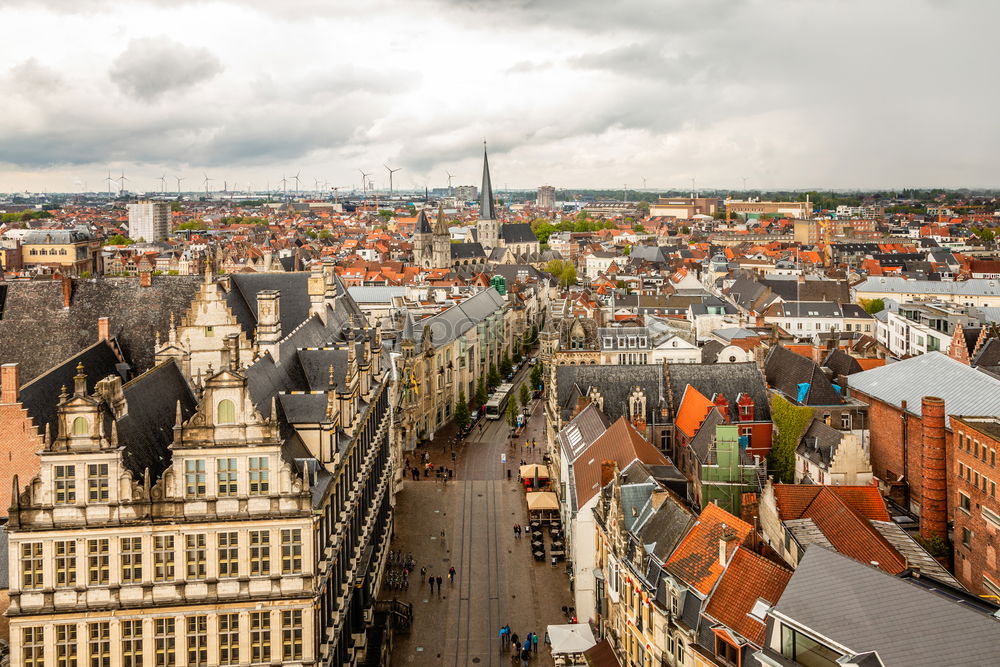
885,423
19,444
980,558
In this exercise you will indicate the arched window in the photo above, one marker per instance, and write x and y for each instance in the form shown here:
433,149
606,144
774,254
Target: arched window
81,426
226,412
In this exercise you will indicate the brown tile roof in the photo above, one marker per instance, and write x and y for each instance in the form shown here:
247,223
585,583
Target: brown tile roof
696,559
851,533
748,577
622,444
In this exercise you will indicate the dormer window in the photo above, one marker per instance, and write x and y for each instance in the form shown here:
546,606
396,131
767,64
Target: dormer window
226,412
81,426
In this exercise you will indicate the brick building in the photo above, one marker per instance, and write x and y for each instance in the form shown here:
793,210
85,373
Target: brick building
894,395
975,507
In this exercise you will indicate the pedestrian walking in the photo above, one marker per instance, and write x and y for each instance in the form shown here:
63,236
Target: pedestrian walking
504,631
534,642
525,656
451,574
516,532
548,641
439,586
514,640
430,580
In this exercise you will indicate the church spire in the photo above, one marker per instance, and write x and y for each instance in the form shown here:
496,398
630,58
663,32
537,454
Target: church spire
440,226
423,226
487,207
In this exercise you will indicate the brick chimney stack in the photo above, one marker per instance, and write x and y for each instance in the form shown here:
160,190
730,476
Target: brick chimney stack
67,291
103,329
934,495
10,383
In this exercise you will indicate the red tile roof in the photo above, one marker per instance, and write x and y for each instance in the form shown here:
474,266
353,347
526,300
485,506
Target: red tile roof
794,500
748,578
696,559
693,409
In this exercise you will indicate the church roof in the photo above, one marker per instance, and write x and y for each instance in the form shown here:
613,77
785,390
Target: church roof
518,233
487,206
467,250
440,226
423,226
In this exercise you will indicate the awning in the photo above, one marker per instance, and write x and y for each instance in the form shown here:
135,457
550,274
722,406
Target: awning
571,638
529,471
542,500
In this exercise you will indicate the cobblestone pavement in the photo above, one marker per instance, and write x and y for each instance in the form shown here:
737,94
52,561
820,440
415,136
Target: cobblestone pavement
467,523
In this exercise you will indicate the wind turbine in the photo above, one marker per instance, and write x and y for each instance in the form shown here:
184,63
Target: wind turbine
296,179
178,179
364,183
450,176
109,180
391,172
206,182
284,185
163,183
121,182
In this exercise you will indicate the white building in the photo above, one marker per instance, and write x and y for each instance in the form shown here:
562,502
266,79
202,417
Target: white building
149,221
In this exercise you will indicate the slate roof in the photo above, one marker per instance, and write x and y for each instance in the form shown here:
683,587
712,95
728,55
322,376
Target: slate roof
614,383
487,205
696,559
293,301
451,323
519,232
748,578
41,395
582,431
658,529
819,443
790,288
148,429
728,379
467,250
33,311
423,226
864,609
785,370
841,363
965,390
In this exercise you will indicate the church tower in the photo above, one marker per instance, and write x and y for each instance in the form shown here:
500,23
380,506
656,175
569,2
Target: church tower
488,225
423,255
442,241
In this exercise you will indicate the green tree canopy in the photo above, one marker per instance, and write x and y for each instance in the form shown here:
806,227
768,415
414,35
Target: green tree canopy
873,306
642,207
118,239
536,376
193,224
481,394
505,366
524,394
568,276
462,414
512,410
492,378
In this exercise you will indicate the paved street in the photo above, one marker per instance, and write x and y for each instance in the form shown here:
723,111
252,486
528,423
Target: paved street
468,523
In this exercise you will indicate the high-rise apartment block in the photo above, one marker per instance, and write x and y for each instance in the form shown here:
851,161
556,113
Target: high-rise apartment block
149,221
546,197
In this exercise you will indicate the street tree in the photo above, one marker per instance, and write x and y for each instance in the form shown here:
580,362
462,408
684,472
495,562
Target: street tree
462,414
523,394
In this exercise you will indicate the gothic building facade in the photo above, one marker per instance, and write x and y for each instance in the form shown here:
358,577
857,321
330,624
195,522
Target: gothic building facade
231,506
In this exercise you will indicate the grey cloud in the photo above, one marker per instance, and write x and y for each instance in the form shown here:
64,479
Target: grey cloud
31,77
527,67
150,67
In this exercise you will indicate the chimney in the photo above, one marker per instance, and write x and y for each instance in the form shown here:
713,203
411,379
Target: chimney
145,279
10,383
233,350
934,495
103,329
67,291
268,317
607,472
726,542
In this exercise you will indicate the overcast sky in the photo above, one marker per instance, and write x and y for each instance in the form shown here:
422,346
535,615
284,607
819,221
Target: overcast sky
573,93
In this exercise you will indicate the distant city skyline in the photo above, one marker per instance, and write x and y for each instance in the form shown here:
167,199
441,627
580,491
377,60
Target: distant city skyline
650,94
